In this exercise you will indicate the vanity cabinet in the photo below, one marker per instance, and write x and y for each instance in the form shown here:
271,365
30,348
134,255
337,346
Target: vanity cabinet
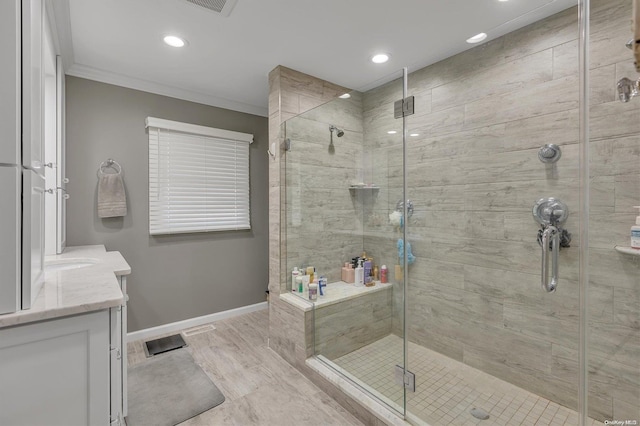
65,371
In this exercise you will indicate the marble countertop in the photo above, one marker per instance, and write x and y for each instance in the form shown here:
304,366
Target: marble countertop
335,292
76,291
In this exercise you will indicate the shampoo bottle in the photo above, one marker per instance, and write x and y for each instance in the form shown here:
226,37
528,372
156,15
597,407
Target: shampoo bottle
384,274
345,270
359,275
635,232
367,271
351,274
294,275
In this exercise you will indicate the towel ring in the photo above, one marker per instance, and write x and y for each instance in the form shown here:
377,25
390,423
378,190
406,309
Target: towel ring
109,164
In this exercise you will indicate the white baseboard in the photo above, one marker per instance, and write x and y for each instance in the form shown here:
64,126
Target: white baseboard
194,322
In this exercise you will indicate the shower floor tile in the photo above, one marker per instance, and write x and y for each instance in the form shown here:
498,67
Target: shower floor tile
447,390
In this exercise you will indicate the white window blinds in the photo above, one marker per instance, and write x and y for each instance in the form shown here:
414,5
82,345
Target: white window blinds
198,178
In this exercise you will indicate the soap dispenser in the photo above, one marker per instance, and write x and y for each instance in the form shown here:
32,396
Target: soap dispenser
635,232
359,274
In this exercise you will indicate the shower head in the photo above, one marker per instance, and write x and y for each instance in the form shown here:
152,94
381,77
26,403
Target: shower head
339,132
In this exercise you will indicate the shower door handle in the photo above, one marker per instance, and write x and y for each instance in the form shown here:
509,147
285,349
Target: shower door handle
550,234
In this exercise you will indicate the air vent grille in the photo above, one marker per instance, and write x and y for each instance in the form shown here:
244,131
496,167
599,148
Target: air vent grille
223,7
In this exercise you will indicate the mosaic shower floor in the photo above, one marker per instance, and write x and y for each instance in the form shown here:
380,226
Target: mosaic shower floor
447,390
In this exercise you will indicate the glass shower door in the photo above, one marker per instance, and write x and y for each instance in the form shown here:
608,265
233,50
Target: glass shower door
613,326
343,165
493,140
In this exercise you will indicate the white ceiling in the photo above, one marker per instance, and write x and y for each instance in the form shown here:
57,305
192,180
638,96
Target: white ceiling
227,59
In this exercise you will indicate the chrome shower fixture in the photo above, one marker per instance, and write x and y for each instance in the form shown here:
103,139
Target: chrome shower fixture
628,89
339,132
549,153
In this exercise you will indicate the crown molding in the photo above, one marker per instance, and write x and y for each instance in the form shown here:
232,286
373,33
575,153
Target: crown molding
90,73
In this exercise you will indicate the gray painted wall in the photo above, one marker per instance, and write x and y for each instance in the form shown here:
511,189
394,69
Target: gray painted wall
173,277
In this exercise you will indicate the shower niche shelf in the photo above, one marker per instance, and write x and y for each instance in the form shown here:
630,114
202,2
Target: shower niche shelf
355,189
628,250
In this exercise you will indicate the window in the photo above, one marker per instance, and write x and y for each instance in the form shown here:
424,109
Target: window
198,178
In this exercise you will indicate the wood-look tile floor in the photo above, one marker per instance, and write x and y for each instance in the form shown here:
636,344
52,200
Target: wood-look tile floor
260,387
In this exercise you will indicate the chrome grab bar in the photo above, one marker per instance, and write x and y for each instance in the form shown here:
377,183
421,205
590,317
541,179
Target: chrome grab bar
552,234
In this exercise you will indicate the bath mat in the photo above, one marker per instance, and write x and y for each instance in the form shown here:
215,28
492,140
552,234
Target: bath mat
168,389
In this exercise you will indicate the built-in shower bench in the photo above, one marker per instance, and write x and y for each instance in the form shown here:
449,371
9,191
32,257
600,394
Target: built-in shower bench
337,292
345,319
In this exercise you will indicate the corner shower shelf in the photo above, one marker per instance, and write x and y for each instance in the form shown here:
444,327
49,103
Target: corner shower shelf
371,188
628,250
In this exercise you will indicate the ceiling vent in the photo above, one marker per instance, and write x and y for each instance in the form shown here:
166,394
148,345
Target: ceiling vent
222,7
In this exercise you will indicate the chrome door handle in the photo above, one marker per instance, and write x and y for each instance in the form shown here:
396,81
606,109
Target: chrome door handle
550,234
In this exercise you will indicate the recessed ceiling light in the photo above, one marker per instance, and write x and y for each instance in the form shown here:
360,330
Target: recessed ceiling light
392,132
380,58
345,96
477,38
174,41
414,134
503,0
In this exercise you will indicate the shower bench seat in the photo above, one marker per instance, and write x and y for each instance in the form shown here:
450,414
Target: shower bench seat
345,319
336,292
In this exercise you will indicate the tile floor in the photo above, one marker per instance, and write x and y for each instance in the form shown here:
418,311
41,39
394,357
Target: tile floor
446,390
259,386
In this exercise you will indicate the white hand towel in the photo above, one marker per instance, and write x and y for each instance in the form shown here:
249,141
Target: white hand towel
112,200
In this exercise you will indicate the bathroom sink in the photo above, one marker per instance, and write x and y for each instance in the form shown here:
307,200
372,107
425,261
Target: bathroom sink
66,264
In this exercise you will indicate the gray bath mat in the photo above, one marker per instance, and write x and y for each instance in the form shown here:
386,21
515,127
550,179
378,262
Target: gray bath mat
169,389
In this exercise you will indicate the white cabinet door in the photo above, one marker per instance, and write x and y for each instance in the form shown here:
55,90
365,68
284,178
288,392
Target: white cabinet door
61,171
10,82
56,372
33,199
116,366
10,234
32,83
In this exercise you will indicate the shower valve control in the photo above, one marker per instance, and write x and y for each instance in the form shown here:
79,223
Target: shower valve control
551,213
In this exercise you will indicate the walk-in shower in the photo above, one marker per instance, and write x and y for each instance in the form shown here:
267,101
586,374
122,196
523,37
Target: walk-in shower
464,334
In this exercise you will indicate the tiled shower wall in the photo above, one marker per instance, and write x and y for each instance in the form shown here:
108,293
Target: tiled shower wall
474,175
323,218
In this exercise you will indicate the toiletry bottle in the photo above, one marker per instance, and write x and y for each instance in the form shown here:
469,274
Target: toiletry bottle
384,274
351,274
299,284
310,270
343,275
322,286
367,271
359,275
294,275
376,273
313,291
635,232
